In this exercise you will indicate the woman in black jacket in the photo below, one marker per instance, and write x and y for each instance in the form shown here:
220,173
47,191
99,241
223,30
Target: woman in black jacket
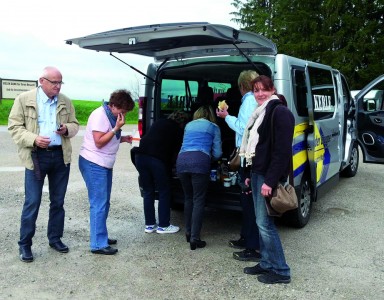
269,164
154,159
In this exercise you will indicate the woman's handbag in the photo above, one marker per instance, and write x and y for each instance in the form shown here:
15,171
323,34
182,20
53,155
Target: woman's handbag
284,198
234,160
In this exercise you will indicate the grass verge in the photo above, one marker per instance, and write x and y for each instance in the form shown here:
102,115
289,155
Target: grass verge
83,110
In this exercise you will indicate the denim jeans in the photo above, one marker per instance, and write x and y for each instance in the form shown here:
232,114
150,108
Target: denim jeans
51,166
195,189
271,250
249,229
99,184
154,177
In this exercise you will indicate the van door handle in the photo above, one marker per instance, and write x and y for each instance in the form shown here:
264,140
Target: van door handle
310,129
377,120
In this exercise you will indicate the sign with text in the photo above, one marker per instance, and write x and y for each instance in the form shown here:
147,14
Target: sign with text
11,88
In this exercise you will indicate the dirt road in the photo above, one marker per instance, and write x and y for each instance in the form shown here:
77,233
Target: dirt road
338,255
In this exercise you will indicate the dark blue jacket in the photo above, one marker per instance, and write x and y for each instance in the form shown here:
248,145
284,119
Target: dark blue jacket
274,163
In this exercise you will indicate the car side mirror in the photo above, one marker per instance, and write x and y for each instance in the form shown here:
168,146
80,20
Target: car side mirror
371,105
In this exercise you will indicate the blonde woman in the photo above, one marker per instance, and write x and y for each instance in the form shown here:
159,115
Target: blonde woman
201,144
249,234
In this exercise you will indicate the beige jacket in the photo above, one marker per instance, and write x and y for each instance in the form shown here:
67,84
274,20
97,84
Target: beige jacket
23,125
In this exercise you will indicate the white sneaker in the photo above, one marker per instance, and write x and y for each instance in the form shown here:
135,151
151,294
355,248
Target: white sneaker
170,229
150,228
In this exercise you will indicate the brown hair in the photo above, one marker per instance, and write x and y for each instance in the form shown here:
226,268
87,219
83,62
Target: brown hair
265,82
122,99
179,117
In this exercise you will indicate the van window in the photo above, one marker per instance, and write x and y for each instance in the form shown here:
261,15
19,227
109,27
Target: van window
177,95
219,89
323,93
300,92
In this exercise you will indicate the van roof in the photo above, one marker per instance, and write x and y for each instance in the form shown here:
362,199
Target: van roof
178,40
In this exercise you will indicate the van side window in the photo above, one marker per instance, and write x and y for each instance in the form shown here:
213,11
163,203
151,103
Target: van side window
300,92
177,95
323,93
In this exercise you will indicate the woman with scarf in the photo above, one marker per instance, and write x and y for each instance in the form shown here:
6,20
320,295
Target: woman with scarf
102,138
269,163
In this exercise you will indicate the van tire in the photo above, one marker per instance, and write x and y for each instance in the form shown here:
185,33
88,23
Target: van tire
353,164
299,217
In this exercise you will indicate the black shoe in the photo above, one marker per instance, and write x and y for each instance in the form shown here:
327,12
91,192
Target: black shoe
59,247
247,255
188,237
197,244
272,278
105,251
25,254
112,241
256,270
238,244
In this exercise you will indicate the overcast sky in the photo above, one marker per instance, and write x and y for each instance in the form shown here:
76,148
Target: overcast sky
33,34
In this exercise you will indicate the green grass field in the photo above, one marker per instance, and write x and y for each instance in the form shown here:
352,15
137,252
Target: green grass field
83,110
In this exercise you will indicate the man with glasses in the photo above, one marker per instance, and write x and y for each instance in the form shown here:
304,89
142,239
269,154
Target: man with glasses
41,123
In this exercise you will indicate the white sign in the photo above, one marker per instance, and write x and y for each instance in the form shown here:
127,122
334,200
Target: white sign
11,88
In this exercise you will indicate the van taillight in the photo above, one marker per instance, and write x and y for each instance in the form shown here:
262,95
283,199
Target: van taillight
140,120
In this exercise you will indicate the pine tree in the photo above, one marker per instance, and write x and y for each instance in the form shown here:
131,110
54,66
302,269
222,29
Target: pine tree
348,35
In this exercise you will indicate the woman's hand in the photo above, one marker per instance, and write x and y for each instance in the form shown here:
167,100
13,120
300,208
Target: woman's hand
266,190
126,139
120,121
221,113
246,187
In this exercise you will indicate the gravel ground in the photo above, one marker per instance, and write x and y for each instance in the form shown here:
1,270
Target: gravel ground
338,255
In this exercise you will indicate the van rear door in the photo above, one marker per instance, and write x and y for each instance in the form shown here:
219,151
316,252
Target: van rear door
370,120
177,41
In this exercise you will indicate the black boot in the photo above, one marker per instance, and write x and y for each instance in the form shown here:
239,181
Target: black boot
197,244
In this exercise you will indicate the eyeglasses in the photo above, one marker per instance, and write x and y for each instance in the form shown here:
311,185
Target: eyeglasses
56,83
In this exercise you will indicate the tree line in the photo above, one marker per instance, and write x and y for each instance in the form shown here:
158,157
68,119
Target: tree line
348,35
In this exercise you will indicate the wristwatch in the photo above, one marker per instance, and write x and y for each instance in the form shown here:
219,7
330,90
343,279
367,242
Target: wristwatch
113,131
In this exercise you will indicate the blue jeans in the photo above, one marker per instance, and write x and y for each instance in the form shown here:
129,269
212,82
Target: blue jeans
249,229
51,165
154,177
195,189
99,184
271,250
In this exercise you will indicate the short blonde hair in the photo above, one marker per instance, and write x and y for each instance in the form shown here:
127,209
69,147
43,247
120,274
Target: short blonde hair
245,79
205,112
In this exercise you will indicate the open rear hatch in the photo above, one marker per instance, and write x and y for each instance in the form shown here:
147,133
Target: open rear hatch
177,41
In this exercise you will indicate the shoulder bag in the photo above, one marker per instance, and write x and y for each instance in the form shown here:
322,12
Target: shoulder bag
234,160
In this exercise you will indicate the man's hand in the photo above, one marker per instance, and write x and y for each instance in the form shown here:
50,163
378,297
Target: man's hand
62,129
42,141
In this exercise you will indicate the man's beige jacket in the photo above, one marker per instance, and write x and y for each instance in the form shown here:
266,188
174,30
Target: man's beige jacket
24,128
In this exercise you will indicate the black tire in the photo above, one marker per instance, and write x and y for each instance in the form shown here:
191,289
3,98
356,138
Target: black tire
299,217
353,164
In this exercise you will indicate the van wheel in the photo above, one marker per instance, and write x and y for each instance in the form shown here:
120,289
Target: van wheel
353,165
299,217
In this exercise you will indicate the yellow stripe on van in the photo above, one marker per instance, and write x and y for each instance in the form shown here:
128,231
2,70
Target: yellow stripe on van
299,129
319,153
299,149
